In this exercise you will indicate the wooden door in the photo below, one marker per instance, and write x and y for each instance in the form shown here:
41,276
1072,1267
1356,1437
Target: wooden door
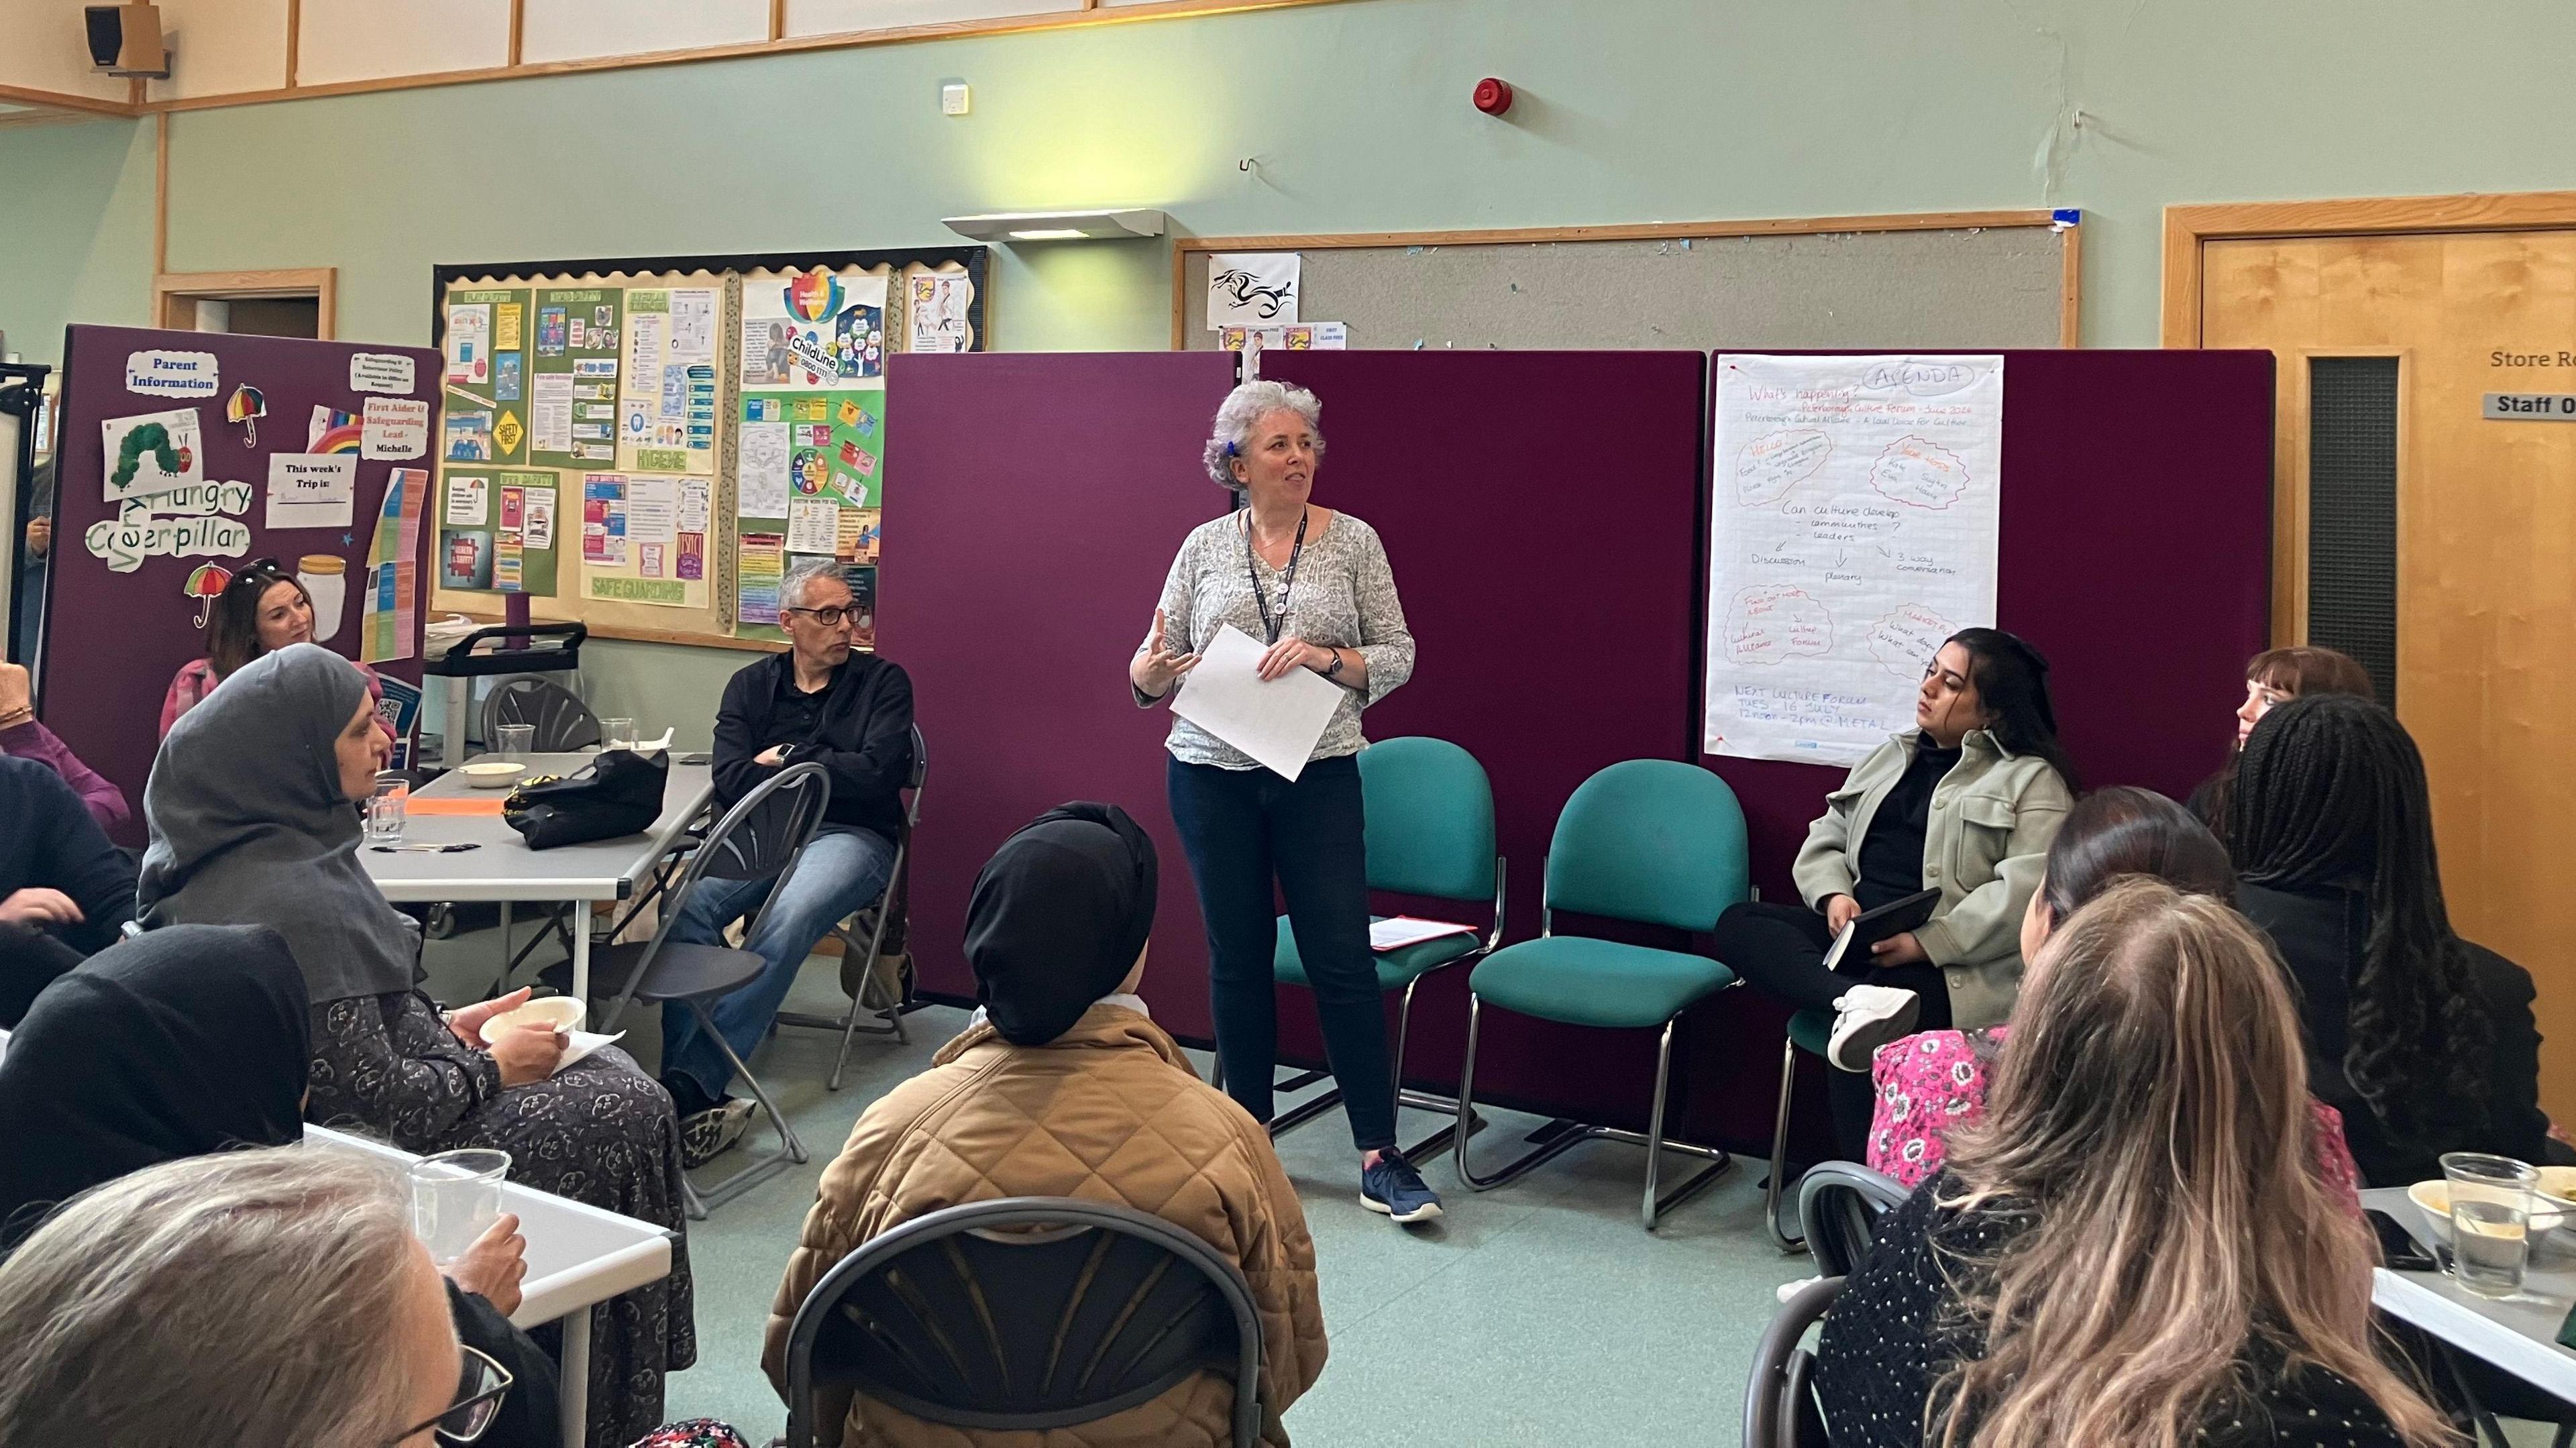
2486,547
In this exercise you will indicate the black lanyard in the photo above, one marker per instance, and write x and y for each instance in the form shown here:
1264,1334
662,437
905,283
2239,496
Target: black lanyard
1287,587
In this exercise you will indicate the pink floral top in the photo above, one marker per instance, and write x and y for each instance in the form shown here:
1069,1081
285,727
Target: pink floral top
1933,1081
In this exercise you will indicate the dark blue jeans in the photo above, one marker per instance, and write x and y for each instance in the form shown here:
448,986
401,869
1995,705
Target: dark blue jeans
1243,829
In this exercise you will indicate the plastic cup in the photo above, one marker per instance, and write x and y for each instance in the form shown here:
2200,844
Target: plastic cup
516,741
2491,1198
616,733
455,1198
386,806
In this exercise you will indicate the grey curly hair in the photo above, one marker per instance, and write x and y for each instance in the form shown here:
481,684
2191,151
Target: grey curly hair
1244,407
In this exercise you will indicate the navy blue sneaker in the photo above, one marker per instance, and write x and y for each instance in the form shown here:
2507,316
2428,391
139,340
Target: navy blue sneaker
1395,1188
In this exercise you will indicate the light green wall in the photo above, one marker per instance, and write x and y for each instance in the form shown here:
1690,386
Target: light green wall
1357,113
75,230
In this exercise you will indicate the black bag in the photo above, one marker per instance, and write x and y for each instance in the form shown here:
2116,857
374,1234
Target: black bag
618,793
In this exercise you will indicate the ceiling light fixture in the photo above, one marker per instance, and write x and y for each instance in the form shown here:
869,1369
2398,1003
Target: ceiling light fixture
1104,225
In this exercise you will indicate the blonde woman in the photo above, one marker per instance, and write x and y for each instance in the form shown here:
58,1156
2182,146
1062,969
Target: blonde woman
2131,1247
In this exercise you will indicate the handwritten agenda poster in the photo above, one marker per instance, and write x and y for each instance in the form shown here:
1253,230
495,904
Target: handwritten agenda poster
1853,528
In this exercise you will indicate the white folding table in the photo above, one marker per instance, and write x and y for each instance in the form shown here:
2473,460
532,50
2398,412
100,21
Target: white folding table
503,868
578,1257
2518,1335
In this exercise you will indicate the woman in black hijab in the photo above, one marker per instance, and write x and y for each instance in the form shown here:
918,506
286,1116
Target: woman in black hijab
179,1043
250,808
1080,875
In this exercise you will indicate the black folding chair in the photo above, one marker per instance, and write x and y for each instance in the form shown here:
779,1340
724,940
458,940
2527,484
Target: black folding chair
1839,1204
1020,1315
1779,1409
887,1013
758,839
562,722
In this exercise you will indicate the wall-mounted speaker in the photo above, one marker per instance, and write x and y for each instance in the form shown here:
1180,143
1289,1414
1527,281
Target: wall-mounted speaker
126,40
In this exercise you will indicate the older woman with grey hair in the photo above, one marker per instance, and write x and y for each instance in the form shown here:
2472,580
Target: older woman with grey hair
240,1300
1312,585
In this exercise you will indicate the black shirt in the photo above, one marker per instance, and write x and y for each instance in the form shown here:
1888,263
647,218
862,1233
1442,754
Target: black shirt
859,729
793,712
1891,855
49,840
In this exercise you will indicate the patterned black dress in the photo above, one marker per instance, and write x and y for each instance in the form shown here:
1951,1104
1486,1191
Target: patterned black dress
600,1131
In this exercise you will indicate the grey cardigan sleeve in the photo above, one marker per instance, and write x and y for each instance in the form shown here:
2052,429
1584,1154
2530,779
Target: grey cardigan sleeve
1385,643
1175,608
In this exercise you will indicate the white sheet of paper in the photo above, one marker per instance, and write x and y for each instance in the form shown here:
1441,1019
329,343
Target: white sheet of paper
1252,289
1404,930
812,525
311,490
1277,723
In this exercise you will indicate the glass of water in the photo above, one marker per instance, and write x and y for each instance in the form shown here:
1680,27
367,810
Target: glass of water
385,808
516,740
616,733
2491,1200
455,1197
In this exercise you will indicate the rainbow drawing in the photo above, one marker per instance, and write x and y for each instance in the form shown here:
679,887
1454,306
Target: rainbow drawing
334,431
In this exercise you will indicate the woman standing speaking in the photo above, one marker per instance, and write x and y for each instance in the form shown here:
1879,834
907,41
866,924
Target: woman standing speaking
1313,586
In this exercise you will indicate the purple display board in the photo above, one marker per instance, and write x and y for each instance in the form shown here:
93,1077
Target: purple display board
1545,516
1047,494
124,608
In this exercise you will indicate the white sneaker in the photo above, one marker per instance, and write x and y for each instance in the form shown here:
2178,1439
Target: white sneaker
1866,1018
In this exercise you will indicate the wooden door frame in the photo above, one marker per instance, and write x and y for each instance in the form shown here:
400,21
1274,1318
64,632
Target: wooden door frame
2187,228
173,292
2291,454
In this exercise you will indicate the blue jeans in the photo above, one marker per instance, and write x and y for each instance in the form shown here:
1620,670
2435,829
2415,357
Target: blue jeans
1243,830
843,871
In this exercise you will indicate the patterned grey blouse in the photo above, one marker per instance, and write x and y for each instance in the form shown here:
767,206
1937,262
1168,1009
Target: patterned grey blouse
1345,599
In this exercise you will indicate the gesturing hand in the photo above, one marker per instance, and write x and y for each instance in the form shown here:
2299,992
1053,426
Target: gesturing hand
467,1021
1159,667
1292,653
494,1266
40,907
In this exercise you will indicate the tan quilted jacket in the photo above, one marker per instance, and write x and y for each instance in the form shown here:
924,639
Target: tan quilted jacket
1109,1111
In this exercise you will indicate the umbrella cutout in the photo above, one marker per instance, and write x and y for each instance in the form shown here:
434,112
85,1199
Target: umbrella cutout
247,407
207,583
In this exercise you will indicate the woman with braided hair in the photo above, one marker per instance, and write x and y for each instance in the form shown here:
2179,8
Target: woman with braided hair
2423,1041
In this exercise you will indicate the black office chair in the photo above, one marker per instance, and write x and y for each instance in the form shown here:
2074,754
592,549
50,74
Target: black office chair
1839,1204
563,723
887,1009
758,839
1779,1409
1020,1315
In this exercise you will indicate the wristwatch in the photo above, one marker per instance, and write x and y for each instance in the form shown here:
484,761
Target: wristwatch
1335,669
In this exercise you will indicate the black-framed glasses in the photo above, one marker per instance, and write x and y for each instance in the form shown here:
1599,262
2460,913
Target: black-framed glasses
827,617
480,1387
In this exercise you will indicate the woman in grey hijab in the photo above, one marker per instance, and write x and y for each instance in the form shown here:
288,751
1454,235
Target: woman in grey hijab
250,808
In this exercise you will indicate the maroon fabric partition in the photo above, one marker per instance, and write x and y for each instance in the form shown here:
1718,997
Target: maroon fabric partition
1542,513
1048,494
114,639
2136,553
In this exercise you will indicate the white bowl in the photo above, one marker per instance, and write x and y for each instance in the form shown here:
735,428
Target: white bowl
492,773
553,1013
2549,1214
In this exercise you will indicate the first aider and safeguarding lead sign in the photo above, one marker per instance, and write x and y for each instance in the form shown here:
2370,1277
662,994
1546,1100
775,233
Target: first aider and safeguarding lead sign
2530,407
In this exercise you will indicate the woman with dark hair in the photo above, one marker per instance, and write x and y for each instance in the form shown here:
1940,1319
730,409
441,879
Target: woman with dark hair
2272,678
261,610
2422,1040
1934,1083
1965,802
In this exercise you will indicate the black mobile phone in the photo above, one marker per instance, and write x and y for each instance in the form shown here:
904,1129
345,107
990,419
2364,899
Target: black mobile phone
2397,1246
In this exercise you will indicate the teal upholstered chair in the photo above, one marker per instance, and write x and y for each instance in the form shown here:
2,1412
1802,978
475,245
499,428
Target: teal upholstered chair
1654,841
1430,833
1808,1031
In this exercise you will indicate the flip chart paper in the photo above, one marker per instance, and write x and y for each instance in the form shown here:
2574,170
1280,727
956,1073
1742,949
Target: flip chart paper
1276,723
1853,529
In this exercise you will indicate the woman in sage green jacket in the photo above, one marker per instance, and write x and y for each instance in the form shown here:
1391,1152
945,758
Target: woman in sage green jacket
1966,803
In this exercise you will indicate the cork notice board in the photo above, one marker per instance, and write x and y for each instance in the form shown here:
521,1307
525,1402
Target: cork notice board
1933,280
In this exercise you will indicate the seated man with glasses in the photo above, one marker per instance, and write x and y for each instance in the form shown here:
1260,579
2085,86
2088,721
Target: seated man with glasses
818,703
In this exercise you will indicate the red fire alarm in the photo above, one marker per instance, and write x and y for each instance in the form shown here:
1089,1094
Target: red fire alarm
1493,96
